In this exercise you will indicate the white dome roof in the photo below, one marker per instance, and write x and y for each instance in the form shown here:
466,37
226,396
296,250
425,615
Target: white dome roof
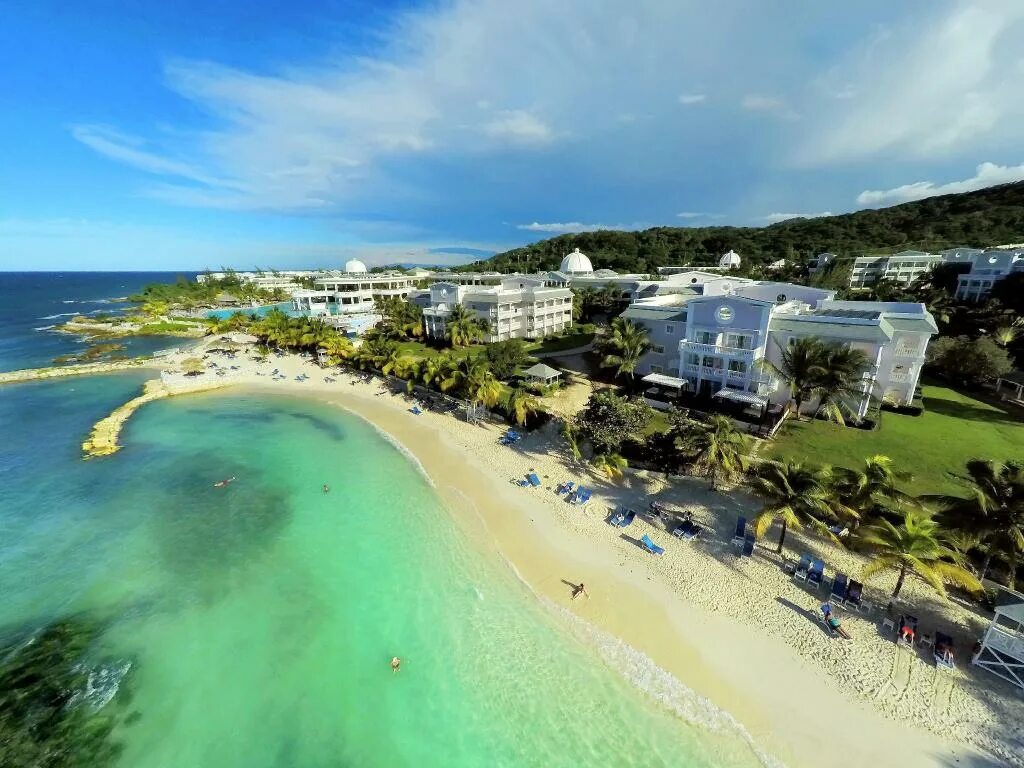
730,260
576,263
355,266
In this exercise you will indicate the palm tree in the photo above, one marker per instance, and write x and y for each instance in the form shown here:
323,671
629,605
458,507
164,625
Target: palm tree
521,404
626,344
612,464
799,366
435,370
994,510
572,439
840,381
462,327
337,348
916,546
716,450
859,492
476,382
795,494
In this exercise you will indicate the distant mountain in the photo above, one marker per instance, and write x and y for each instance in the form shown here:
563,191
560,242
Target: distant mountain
987,217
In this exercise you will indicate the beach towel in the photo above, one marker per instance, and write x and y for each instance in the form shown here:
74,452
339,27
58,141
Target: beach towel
415,410
839,586
623,518
534,480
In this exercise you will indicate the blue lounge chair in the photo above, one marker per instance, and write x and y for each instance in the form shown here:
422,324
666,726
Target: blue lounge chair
943,651
839,586
534,480
748,546
800,573
687,530
816,574
741,532
854,595
650,546
415,410
622,518
581,496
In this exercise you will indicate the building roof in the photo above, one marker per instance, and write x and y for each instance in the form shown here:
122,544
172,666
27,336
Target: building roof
640,312
576,263
355,266
829,330
541,371
853,314
916,324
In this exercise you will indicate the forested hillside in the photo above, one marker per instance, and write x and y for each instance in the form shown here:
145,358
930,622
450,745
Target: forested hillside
987,217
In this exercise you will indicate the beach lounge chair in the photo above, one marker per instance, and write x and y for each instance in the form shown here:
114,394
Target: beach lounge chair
854,594
943,651
748,546
650,546
533,479
816,574
800,573
622,518
581,495
840,584
415,410
687,530
906,632
741,532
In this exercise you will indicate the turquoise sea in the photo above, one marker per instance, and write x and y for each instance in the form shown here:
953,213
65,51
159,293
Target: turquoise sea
253,625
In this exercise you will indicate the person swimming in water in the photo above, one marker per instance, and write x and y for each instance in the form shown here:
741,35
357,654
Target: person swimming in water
396,664
326,488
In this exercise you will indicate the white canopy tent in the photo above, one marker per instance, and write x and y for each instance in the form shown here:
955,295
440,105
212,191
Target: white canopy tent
1002,649
671,382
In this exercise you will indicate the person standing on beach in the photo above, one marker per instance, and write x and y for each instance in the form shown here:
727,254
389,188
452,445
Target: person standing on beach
579,590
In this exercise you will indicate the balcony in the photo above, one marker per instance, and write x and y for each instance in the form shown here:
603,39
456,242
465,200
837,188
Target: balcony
907,352
900,378
716,349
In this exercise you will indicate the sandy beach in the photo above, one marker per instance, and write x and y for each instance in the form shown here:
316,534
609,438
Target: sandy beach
740,633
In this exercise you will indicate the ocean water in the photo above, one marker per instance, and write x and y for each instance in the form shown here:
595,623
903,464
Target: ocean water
32,302
256,622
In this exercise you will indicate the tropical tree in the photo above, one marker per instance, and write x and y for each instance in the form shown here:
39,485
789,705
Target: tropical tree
462,327
993,510
839,381
916,546
795,494
715,449
435,370
860,492
474,379
520,405
571,435
799,366
338,348
608,421
612,464
624,346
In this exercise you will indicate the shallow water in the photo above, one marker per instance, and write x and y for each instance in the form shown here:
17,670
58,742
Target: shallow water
260,618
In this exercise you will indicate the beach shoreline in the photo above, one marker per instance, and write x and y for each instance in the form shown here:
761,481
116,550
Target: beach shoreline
772,684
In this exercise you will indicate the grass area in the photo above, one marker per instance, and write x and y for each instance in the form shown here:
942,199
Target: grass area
658,424
560,343
155,329
953,429
420,350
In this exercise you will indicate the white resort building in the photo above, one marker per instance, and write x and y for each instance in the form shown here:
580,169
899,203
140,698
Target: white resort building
518,307
353,292
711,342
986,269
902,268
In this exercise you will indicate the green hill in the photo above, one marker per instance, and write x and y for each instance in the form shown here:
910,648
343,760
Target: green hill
987,217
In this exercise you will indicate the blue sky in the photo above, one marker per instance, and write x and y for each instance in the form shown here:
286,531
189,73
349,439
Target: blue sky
184,135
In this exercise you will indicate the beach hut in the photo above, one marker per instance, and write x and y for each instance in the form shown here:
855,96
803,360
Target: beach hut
1002,649
542,374
227,300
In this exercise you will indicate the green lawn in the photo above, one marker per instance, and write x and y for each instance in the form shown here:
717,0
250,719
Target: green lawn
421,350
953,429
560,343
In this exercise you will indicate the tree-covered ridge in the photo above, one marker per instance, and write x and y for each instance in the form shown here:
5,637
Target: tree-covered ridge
987,217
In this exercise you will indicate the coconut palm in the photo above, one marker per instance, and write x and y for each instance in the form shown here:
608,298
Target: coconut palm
521,404
462,327
799,367
474,379
436,369
839,382
994,510
625,345
570,434
916,546
612,464
338,348
795,494
716,449
858,492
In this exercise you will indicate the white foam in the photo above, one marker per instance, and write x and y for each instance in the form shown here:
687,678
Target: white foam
401,448
44,328
60,314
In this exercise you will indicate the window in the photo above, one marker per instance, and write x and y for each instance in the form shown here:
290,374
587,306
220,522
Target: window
738,366
656,369
670,329
658,349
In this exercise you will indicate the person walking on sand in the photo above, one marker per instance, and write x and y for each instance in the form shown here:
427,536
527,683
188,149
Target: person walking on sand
396,664
579,590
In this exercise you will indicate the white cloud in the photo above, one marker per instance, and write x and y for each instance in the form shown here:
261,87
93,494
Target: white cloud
774,218
937,84
986,175
575,226
519,126
698,215
692,98
760,103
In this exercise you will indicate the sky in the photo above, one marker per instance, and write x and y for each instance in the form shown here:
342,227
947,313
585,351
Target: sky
186,135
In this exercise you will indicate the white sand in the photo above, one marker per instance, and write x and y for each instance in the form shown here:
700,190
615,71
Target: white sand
740,633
